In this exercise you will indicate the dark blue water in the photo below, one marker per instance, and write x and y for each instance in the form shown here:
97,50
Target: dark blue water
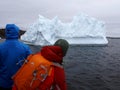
92,67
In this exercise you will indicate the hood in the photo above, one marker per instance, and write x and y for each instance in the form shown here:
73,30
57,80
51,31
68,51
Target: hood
12,31
63,44
52,53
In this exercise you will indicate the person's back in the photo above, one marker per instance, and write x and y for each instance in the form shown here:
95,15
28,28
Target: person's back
42,75
56,54
12,51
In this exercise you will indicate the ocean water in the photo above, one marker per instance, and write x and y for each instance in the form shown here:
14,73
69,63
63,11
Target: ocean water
92,67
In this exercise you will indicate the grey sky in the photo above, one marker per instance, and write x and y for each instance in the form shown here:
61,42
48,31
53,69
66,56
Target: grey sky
24,12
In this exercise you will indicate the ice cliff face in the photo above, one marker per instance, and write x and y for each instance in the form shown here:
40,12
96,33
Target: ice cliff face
82,30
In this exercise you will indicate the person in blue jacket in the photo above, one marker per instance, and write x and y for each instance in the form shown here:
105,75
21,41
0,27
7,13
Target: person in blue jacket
12,52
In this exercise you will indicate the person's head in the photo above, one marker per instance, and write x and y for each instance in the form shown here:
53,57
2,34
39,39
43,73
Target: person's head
12,31
63,44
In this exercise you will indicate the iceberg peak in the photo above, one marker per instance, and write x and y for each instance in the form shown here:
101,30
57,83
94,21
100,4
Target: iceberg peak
82,30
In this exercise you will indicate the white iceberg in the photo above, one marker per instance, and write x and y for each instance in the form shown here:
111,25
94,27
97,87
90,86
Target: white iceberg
82,30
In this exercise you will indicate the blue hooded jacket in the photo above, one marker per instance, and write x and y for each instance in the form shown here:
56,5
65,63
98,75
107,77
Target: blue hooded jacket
12,52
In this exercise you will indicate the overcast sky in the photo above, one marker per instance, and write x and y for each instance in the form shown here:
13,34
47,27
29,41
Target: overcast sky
24,12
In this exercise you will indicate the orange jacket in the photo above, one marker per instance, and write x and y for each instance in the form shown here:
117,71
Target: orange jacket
54,54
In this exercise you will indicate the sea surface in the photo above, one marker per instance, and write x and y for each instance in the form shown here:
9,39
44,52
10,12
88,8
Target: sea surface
92,67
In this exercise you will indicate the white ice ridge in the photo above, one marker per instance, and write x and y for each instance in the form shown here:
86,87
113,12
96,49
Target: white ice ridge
82,30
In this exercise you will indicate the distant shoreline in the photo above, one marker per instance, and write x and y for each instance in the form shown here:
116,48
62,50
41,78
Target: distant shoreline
113,37
2,33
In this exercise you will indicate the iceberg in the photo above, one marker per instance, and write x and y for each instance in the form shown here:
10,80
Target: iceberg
82,30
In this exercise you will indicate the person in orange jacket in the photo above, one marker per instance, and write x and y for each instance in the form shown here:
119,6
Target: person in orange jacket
55,54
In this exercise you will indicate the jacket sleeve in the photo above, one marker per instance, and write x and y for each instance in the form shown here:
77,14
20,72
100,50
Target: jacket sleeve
0,57
60,80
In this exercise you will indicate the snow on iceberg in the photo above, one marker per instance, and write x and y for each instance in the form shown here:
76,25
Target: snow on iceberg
82,30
